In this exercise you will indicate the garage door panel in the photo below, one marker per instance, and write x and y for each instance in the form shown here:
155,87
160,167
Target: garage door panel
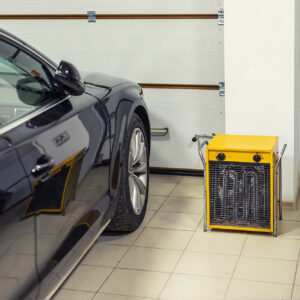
184,113
114,28
175,153
180,96
109,6
131,48
182,129
180,51
185,105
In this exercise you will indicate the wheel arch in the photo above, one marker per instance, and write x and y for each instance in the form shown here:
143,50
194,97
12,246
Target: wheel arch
124,111
142,113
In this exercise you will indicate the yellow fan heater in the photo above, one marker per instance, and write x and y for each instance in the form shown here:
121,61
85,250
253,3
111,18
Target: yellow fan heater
243,182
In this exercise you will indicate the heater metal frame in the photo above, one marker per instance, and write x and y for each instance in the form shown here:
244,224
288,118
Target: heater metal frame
277,180
278,198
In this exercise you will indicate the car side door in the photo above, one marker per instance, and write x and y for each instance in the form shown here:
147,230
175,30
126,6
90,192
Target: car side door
17,259
64,163
62,143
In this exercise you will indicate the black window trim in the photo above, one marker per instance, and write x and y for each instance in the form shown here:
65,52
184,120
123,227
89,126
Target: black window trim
42,60
29,116
8,39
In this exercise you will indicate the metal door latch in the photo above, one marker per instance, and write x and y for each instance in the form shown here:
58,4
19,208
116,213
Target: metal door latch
92,16
221,16
222,88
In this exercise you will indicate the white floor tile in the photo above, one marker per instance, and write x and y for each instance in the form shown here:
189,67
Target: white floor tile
125,239
217,242
102,296
8,286
148,216
180,221
188,190
270,247
163,238
161,188
291,214
165,178
265,269
253,290
296,292
190,287
289,229
206,264
184,205
87,278
74,295
155,202
135,283
160,260
297,279
104,255
191,180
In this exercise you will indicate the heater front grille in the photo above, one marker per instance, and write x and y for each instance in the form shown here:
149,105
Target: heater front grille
239,194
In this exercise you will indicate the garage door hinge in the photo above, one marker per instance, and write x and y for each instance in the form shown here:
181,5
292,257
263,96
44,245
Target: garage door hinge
91,16
222,88
221,16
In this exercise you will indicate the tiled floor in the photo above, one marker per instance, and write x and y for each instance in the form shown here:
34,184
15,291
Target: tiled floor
170,257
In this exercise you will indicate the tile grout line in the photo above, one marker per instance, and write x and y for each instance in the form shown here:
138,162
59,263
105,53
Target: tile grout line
170,274
167,197
293,287
192,275
183,251
130,247
115,267
146,298
172,229
231,277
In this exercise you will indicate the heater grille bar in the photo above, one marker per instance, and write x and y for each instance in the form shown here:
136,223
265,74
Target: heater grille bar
239,194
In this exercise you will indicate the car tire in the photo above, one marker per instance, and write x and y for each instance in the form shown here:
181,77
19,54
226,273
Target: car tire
134,181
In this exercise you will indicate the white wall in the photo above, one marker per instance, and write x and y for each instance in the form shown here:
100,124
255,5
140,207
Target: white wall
259,75
297,86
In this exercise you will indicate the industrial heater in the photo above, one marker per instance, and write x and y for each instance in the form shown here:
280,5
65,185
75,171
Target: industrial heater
243,182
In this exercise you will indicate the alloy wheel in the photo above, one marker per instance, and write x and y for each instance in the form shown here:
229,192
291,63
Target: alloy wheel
138,170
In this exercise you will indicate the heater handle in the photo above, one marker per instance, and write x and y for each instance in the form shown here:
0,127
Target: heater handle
197,138
280,157
276,200
200,146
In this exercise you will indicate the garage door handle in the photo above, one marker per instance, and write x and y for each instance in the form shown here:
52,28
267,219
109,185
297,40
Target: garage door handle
159,131
43,166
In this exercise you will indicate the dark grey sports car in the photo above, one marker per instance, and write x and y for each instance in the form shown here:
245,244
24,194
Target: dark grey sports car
73,161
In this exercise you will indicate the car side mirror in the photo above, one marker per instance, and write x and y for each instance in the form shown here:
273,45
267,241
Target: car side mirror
68,78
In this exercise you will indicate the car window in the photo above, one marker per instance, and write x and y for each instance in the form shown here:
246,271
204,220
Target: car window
25,84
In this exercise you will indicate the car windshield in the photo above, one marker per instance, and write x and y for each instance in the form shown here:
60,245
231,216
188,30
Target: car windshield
24,82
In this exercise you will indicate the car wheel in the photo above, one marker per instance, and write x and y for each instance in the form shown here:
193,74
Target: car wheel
134,182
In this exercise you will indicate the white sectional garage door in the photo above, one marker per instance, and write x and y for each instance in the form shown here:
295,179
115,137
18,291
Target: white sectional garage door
181,57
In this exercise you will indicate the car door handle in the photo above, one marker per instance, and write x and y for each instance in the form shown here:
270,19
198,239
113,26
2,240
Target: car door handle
43,166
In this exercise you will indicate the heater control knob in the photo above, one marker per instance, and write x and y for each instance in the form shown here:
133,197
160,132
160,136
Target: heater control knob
221,156
257,158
